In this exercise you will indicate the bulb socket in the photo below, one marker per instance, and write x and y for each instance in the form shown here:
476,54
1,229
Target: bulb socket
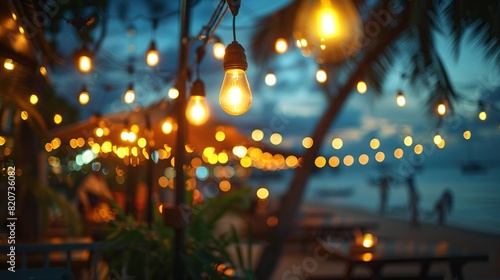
152,46
235,57
198,88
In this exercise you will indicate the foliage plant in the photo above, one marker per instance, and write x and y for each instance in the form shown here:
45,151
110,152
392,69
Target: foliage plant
146,251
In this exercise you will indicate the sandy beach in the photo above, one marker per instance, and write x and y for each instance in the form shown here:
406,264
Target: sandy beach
398,230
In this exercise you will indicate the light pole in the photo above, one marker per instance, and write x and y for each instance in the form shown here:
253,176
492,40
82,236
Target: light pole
180,193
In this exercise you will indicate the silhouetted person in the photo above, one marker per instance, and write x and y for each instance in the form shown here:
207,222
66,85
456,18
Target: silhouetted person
443,205
413,200
384,192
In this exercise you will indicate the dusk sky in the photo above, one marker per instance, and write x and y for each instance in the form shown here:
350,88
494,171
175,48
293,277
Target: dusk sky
293,106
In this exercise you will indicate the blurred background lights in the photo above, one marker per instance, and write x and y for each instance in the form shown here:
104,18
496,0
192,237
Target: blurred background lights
337,143
270,79
173,93
361,87
281,46
262,193
33,99
257,135
202,173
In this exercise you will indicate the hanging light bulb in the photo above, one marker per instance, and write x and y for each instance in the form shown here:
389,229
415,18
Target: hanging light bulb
361,87
321,75
173,93
332,29
8,64
152,56
197,112
84,60
219,49
84,96
235,96
168,125
270,79
441,108
482,115
129,95
281,46
400,99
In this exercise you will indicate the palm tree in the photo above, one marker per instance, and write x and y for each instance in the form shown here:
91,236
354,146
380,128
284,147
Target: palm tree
408,35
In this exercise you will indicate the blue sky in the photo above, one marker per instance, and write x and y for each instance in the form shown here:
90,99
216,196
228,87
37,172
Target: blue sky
293,106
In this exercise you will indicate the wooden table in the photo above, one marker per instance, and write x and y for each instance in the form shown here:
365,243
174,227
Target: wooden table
397,253
308,231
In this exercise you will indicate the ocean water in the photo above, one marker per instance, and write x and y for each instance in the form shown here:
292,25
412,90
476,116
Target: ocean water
476,197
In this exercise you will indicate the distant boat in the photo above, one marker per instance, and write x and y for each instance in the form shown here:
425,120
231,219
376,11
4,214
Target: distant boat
473,167
332,191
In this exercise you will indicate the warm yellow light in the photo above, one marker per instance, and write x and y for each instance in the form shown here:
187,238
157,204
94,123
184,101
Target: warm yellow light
320,161
401,99
2,141
379,156
240,151
168,125
21,30
84,97
24,115
334,161
33,99
235,96
220,136
223,158
437,139
276,138
57,119
99,132
131,136
291,161
363,159
14,16
482,115
257,135
367,257
129,95
124,135
328,22
337,143
281,46
84,63
224,185
361,87
307,142
467,134
418,149
173,93
441,144
398,153
368,240
152,56
332,28
374,143
262,193
408,140
246,162
270,79
321,75
348,160
219,50
8,64
43,71
197,112
441,109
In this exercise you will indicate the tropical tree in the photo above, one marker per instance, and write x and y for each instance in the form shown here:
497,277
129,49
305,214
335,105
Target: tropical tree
406,33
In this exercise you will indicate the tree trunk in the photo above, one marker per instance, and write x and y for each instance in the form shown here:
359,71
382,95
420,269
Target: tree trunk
292,199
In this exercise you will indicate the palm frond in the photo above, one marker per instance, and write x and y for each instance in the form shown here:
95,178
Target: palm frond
269,28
